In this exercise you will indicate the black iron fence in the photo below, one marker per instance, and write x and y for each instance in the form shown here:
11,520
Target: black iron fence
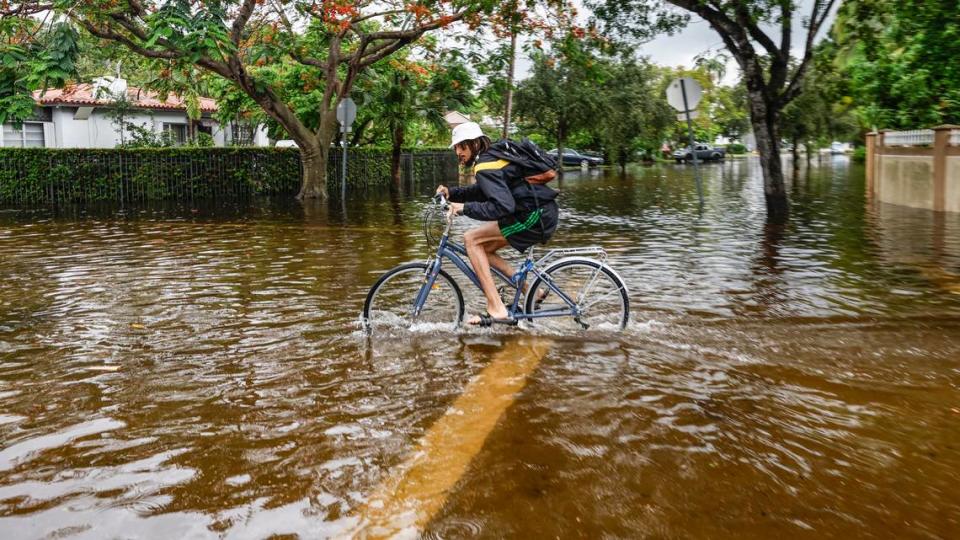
31,176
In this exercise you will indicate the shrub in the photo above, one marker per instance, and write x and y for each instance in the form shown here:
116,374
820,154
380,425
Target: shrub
736,148
31,176
859,154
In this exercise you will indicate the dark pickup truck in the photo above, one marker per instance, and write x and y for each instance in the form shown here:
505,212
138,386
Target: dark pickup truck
705,152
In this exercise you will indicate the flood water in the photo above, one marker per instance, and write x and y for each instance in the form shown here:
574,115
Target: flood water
199,373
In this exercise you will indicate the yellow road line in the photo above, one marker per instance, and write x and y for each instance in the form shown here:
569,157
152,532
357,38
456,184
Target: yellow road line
406,501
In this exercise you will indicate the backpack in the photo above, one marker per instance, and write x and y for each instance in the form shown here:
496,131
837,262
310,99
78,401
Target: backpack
539,166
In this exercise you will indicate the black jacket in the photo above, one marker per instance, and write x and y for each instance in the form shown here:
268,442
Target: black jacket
500,191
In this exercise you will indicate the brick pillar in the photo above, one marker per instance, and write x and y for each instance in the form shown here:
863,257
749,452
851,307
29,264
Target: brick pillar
941,140
870,163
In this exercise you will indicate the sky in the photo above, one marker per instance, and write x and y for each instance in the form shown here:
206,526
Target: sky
680,49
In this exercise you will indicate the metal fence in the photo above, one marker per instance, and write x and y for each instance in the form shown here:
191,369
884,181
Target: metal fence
32,176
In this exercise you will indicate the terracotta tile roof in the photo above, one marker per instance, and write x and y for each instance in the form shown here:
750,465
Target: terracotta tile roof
83,95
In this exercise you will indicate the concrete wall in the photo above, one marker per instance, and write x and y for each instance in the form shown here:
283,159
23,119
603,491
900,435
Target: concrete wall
906,180
952,192
916,173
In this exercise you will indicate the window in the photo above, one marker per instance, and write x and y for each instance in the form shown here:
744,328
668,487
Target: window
29,135
241,134
178,132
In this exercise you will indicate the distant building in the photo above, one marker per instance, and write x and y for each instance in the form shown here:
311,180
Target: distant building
78,116
455,118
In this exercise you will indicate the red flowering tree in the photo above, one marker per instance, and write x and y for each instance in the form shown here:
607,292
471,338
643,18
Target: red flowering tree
334,40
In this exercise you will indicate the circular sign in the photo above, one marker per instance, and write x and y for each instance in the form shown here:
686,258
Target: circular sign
676,90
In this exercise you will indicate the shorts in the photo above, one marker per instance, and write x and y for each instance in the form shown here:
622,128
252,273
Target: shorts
528,228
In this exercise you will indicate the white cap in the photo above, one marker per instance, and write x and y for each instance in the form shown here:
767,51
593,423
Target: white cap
466,132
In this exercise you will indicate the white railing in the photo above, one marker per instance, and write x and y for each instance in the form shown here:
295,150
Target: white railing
955,137
914,137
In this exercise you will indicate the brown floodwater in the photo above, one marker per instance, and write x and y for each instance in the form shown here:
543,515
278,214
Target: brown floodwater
178,372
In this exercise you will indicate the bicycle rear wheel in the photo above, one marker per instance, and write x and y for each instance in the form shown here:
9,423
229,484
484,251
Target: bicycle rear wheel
594,287
390,301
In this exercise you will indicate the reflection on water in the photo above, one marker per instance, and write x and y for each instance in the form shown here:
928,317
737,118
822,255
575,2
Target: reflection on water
176,371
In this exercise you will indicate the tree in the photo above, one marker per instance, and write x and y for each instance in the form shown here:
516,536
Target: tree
561,95
820,113
414,92
771,77
32,56
729,111
901,57
638,113
335,40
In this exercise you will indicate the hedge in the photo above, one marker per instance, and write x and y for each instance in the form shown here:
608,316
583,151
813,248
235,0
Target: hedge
736,149
30,176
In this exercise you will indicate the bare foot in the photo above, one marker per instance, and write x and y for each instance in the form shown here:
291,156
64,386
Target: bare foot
478,320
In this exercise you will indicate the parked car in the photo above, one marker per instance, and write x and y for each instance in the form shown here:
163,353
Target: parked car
705,152
573,158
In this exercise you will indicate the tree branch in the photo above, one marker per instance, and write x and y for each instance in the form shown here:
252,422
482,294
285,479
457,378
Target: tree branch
246,11
817,18
786,27
758,35
105,33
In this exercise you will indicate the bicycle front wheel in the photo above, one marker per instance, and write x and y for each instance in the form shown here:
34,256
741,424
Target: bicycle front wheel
391,299
596,289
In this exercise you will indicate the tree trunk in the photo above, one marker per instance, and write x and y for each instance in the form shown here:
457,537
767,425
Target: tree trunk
764,120
795,152
397,142
560,158
509,108
314,180
314,154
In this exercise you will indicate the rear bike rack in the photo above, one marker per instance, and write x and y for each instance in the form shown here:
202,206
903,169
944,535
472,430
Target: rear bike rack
594,251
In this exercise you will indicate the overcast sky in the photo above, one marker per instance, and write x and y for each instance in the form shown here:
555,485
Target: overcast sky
697,38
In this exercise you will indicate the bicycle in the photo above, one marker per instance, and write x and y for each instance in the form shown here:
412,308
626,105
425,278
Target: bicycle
583,291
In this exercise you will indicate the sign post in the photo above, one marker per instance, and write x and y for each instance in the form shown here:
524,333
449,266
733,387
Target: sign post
346,114
684,95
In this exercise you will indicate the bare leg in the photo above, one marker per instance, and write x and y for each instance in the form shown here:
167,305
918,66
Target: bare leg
480,242
498,262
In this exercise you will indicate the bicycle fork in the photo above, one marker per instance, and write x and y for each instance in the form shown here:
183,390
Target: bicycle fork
429,278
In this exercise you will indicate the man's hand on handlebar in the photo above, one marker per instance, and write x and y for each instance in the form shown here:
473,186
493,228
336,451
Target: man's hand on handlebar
442,190
455,209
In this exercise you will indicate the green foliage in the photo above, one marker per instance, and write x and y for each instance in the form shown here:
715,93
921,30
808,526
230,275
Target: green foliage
859,154
561,95
47,60
901,57
736,149
820,113
638,112
30,176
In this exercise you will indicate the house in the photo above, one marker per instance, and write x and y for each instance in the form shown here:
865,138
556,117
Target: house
84,116
455,118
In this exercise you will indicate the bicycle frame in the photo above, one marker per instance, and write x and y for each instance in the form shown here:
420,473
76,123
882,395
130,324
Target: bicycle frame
456,254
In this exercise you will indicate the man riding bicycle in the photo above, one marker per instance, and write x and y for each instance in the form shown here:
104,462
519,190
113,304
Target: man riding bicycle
518,213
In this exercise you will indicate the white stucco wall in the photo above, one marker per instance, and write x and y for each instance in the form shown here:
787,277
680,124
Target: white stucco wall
95,132
99,131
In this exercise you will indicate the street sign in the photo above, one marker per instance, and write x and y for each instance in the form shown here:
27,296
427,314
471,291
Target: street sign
684,95
676,90
346,114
